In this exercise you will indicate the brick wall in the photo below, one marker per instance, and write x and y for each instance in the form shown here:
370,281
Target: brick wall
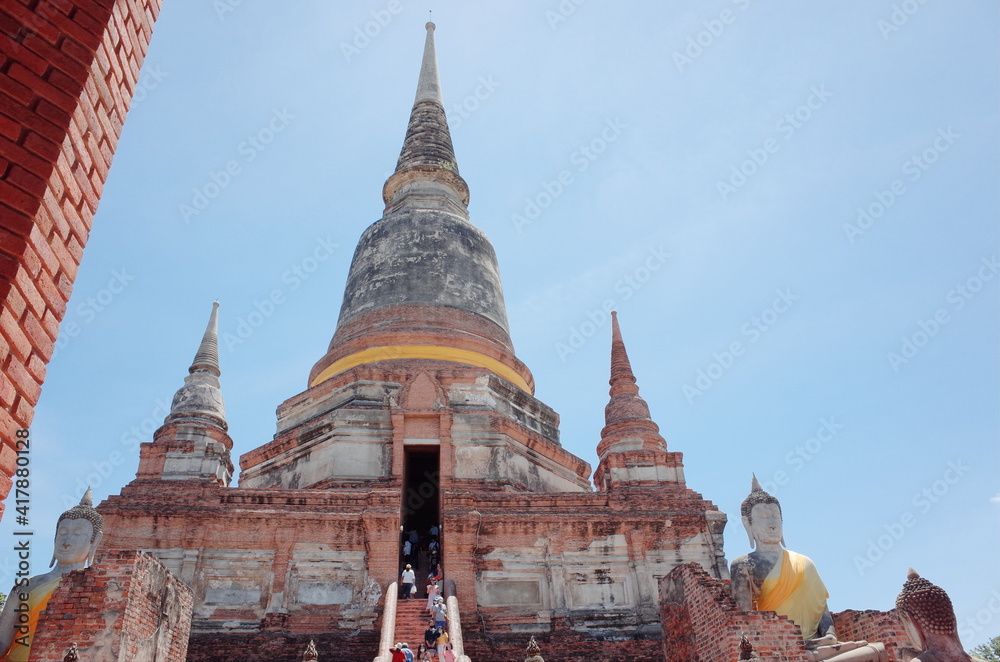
68,70
560,647
702,624
281,647
872,625
124,607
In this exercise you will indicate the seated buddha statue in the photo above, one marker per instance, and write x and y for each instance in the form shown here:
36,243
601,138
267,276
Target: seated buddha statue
78,532
777,579
929,619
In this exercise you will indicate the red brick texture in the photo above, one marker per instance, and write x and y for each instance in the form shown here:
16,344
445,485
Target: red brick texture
282,647
872,625
125,607
565,646
701,623
68,70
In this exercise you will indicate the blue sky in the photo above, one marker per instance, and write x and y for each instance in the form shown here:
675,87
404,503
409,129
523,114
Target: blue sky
700,167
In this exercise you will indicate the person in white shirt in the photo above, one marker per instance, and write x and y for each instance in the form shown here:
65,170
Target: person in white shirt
407,579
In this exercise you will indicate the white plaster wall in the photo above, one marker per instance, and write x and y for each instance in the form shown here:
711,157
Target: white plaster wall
319,575
354,447
482,453
233,579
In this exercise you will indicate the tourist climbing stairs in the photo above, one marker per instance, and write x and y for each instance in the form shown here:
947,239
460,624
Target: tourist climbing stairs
411,621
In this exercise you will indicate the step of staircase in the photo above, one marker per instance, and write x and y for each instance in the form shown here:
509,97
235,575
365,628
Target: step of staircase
411,621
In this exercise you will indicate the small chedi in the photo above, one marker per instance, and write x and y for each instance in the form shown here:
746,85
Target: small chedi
777,579
929,619
533,652
746,649
78,532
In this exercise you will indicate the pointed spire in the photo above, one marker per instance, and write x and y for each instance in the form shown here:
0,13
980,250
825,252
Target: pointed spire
424,282
201,397
622,379
427,160
625,400
631,449
628,425
429,84
207,358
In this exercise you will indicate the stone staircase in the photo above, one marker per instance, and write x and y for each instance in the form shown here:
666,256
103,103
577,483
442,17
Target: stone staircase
411,621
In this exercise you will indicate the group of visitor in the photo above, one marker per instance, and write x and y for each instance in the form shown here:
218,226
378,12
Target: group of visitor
426,652
436,641
413,542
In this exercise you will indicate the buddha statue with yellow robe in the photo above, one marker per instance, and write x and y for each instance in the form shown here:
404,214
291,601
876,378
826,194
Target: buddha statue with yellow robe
78,532
777,579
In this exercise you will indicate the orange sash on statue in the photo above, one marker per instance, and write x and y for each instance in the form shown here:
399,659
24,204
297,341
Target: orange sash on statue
794,589
38,599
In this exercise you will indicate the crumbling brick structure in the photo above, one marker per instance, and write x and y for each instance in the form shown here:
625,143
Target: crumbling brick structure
68,70
127,606
702,624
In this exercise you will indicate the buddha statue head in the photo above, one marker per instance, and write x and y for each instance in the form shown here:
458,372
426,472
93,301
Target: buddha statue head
761,517
925,609
78,533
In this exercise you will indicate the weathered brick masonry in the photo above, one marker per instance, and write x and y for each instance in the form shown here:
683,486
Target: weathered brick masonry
872,625
701,623
564,646
68,70
126,606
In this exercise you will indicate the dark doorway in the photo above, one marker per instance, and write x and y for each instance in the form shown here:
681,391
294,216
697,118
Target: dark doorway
421,508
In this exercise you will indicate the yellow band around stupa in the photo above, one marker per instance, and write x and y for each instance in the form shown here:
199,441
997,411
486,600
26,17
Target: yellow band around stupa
422,352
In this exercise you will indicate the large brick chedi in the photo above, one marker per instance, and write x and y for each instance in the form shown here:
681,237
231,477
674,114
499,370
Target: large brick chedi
68,70
419,414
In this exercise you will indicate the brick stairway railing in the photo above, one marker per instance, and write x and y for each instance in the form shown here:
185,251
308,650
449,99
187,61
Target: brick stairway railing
406,620
386,641
454,622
